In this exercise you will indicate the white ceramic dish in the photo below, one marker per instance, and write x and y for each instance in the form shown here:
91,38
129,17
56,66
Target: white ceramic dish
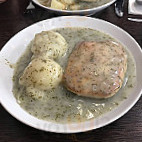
16,46
76,12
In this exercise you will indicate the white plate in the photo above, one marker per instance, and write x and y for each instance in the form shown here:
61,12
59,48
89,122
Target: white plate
76,12
16,46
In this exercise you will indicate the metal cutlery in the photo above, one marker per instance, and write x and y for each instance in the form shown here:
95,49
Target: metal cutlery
119,4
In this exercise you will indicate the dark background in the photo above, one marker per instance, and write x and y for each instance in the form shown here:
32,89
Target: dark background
126,129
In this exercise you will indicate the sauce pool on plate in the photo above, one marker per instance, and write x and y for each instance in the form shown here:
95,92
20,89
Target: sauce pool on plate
59,104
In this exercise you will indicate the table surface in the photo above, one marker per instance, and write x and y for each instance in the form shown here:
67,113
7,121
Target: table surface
126,129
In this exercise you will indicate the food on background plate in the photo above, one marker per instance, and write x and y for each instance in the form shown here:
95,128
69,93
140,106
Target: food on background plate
62,4
73,4
96,69
37,79
57,5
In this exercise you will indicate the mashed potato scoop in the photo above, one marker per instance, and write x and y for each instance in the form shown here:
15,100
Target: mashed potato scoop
42,74
34,92
49,41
